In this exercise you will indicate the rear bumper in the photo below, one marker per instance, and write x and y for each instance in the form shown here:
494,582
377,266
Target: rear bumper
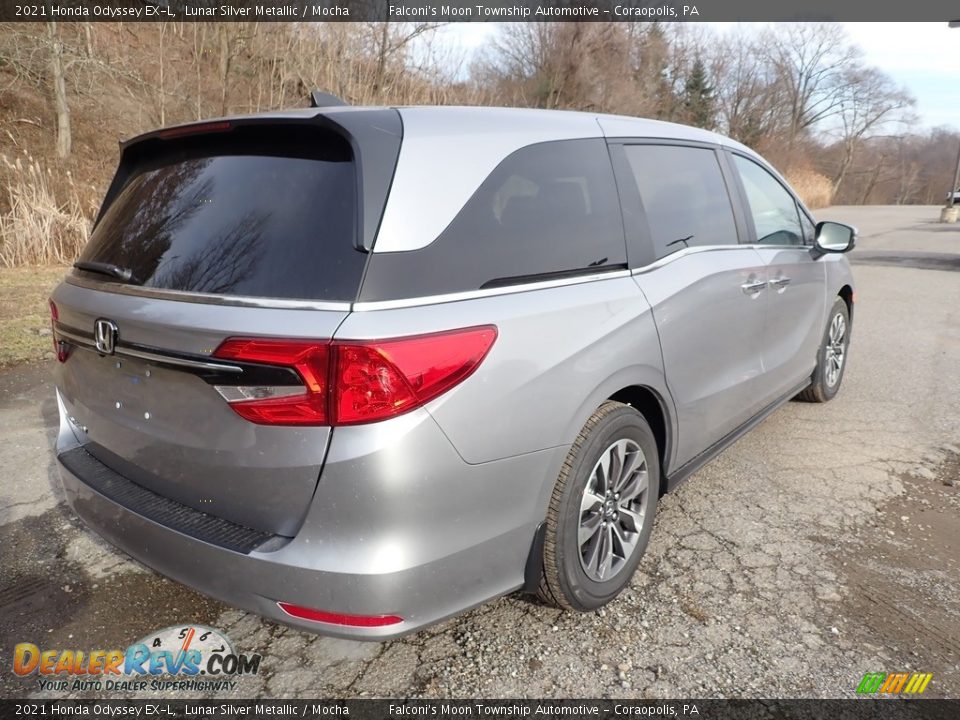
399,525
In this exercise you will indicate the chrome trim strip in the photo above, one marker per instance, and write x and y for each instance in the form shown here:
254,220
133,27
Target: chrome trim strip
784,246
489,292
173,360
205,298
276,303
242,301
667,259
78,340
160,358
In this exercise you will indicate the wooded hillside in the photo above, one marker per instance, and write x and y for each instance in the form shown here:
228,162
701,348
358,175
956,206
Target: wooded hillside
801,94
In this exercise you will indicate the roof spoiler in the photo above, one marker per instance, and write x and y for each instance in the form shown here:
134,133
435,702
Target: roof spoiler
318,98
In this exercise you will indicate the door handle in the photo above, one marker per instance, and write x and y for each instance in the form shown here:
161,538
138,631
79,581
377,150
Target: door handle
753,287
780,282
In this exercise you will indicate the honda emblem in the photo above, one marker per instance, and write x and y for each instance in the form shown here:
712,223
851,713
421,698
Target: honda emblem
105,336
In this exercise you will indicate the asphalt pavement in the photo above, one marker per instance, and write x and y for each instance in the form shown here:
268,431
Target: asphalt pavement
823,545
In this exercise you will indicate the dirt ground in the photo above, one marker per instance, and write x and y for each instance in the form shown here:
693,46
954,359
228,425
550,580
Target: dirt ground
901,571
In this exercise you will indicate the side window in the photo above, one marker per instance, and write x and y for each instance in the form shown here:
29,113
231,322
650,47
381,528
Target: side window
774,210
684,196
548,210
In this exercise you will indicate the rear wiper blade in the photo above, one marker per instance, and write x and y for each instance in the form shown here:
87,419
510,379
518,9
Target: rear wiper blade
103,268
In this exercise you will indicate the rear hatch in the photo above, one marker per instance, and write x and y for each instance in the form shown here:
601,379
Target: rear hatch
234,229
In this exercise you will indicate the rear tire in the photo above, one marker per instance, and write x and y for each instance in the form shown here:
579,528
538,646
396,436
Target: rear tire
601,511
831,356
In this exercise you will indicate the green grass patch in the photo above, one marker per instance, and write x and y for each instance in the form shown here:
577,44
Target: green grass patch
25,314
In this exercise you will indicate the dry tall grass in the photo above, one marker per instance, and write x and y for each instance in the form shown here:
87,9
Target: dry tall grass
46,221
814,189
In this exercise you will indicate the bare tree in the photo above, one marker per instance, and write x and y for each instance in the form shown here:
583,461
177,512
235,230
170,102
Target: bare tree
812,63
231,38
161,89
58,81
748,99
868,101
200,55
88,39
878,167
586,66
390,40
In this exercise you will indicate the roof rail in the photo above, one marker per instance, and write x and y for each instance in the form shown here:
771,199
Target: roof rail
318,98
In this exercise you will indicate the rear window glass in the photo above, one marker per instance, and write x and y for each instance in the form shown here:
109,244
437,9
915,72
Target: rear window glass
271,218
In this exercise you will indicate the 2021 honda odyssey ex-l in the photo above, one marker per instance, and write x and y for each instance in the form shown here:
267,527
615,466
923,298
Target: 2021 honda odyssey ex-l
359,369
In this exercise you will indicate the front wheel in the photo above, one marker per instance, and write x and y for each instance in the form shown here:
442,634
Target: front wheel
601,511
831,357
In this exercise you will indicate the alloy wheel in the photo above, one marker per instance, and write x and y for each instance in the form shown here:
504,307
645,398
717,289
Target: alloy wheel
612,510
835,349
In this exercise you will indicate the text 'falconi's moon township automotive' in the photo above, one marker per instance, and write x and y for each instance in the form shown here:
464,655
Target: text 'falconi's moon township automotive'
359,369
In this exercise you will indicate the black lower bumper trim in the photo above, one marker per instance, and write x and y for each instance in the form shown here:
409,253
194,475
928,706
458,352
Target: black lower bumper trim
159,509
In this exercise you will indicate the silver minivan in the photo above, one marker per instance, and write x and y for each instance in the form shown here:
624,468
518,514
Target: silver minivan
360,369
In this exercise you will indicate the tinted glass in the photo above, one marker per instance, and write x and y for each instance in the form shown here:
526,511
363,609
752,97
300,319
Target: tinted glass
684,196
547,210
236,220
773,209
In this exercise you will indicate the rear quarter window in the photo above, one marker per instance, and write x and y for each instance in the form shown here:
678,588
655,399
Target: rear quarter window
548,210
265,213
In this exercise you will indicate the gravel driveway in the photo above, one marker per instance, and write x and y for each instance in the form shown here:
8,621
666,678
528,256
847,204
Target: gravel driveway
821,546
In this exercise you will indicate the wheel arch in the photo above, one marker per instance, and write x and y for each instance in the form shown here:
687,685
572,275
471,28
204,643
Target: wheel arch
645,389
651,405
846,292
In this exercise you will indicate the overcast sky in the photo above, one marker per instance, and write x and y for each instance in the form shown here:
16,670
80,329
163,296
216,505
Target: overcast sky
922,57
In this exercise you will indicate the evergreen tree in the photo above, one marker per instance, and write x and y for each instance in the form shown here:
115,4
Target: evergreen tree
698,97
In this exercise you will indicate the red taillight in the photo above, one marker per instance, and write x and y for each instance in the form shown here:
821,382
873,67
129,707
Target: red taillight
332,618
60,349
309,359
368,386
378,380
347,383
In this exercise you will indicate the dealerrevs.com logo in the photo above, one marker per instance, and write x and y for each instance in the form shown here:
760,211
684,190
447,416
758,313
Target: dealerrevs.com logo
183,657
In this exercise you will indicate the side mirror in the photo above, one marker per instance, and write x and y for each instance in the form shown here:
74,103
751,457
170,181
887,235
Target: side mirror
834,237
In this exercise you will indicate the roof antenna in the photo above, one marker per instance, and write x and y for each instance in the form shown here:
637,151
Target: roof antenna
318,98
